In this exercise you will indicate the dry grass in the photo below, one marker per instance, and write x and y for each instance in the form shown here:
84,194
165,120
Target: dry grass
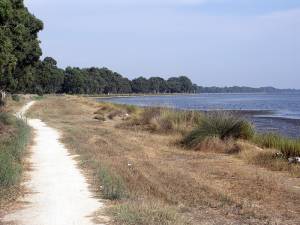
145,212
163,120
268,158
200,186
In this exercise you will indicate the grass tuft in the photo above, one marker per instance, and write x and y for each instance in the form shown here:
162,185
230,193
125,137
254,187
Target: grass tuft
145,212
219,125
112,185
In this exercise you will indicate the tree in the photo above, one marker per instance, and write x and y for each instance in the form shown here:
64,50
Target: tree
174,85
158,85
48,77
140,85
186,85
19,45
75,81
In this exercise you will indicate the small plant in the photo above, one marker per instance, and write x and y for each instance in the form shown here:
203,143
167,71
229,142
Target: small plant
111,184
99,117
115,113
146,212
130,109
149,114
219,125
15,98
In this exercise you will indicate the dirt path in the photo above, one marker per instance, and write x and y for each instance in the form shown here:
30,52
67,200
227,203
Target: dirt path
60,194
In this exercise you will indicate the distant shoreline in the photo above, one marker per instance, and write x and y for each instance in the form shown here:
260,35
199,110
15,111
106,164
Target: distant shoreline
177,94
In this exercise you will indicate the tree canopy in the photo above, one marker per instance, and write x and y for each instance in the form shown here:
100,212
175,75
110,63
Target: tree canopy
19,45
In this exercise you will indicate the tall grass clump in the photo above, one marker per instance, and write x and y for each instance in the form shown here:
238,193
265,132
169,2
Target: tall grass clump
287,146
112,185
167,120
219,125
12,148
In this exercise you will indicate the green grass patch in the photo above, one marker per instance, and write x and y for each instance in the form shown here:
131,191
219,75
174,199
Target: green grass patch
37,97
112,185
287,146
12,148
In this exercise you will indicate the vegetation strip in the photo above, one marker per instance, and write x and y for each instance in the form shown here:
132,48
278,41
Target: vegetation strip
15,134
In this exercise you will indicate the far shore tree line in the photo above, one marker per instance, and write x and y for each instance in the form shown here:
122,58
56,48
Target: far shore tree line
22,70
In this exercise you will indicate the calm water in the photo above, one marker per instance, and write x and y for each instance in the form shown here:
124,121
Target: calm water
269,112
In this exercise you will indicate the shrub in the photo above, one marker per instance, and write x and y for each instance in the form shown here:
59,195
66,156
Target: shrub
130,109
220,125
6,118
15,98
288,147
215,144
115,113
112,184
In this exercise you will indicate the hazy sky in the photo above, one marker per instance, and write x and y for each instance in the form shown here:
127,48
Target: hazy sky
214,42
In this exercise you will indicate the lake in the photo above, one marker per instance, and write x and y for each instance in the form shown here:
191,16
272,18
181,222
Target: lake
269,112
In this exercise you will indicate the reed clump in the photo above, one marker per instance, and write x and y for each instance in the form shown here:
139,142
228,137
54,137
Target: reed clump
287,146
165,120
219,125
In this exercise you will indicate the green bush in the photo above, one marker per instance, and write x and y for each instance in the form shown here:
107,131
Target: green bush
15,98
112,184
219,125
288,147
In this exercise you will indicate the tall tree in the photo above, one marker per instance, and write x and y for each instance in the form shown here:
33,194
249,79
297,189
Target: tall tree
48,77
140,85
158,85
19,45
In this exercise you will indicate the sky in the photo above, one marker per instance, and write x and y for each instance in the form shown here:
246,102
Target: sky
214,42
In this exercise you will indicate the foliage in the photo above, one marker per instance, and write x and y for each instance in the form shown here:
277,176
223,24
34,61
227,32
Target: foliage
11,150
219,125
15,98
19,46
49,78
288,147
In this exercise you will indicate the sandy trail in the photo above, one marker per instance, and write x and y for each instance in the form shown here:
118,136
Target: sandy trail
60,194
